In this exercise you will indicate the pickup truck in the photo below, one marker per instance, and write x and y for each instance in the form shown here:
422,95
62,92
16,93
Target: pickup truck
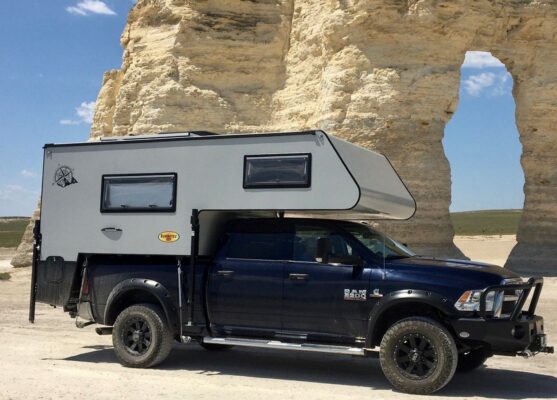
314,285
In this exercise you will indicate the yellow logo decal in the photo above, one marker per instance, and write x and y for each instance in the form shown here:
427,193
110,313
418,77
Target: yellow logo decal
168,236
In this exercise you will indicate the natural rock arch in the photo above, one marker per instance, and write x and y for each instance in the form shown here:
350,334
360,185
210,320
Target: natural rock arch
383,74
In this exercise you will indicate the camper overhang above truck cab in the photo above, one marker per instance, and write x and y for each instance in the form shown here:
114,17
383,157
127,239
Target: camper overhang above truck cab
136,195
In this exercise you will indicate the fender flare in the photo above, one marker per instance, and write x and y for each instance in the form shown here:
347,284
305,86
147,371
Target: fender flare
150,286
432,299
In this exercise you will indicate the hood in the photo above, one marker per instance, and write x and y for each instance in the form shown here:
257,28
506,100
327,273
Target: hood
459,266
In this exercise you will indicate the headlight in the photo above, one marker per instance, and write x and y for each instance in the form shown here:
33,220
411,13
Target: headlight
470,301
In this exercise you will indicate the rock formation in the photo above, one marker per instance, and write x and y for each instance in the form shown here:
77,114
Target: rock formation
383,74
24,252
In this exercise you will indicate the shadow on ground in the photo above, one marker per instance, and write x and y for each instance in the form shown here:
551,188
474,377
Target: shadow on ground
332,369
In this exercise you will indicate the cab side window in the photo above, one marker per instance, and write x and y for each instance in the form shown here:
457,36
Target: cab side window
305,242
260,246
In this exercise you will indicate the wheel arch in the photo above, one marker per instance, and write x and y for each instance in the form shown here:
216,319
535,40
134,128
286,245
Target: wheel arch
136,291
406,303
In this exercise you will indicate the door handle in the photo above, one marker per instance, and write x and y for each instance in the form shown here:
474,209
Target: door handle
298,277
111,229
224,273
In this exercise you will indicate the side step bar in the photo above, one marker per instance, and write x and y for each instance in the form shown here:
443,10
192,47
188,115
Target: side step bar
275,344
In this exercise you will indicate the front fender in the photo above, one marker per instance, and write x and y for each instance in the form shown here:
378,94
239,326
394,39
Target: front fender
157,290
397,297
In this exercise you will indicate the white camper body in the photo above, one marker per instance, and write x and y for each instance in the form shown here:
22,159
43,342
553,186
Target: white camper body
92,192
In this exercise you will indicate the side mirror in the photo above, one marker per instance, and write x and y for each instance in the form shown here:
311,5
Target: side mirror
323,250
355,261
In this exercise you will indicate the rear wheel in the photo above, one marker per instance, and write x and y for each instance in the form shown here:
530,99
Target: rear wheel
141,337
418,355
472,360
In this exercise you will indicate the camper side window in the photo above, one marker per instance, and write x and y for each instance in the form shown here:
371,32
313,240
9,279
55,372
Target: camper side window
139,193
277,171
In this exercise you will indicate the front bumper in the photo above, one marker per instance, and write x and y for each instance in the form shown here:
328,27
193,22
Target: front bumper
521,332
505,336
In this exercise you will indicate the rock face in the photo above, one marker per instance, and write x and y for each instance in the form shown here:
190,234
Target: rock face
24,252
383,74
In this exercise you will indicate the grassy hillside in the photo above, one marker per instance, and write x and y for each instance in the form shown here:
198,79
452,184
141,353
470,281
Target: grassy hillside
11,230
486,222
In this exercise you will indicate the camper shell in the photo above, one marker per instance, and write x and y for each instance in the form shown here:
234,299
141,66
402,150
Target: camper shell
257,240
306,172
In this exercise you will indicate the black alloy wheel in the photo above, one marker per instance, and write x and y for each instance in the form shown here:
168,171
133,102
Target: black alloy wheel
136,336
418,355
141,336
415,356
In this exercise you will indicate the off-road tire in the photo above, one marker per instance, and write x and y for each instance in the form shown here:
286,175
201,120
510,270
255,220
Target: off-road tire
440,347
472,360
160,342
215,347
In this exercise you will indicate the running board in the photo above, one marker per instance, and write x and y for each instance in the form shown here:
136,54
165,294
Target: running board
275,344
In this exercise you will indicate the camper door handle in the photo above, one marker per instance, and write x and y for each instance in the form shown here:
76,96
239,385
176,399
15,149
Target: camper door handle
226,274
111,229
298,277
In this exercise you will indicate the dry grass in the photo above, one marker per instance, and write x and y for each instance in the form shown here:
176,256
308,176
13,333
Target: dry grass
5,276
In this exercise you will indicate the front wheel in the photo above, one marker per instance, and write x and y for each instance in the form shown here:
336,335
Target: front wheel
141,337
418,355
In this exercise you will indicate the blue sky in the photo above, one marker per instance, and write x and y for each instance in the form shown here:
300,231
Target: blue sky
481,140
53,55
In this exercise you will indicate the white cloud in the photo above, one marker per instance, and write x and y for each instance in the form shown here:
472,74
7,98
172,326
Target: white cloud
28,174
490,83
68,122
86,7
85,113
481,59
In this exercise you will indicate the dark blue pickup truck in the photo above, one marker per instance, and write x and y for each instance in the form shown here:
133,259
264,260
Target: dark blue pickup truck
314,285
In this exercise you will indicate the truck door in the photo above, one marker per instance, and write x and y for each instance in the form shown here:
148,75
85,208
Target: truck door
325,300
245,282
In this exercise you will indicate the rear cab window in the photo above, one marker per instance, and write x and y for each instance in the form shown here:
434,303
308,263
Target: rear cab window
258,240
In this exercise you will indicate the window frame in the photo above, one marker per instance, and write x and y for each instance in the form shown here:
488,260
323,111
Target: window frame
142,210
306,184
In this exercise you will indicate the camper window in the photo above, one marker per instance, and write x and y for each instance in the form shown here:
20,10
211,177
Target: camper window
139,193
277,171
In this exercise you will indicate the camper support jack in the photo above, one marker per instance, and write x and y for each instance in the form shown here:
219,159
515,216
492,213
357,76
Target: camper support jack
191,276
36,256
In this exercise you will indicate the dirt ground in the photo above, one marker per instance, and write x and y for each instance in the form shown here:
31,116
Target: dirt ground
6,254
54,360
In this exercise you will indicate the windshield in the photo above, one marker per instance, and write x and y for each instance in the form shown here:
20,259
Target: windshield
378,243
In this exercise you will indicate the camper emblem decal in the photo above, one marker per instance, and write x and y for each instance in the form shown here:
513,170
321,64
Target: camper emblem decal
168,236
64,176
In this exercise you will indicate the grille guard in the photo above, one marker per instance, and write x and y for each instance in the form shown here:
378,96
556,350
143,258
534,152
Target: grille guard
535,282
